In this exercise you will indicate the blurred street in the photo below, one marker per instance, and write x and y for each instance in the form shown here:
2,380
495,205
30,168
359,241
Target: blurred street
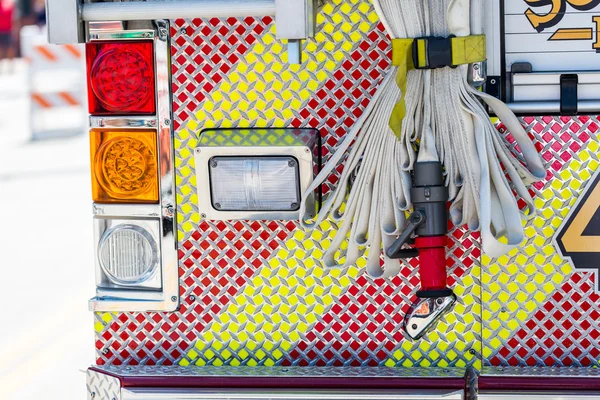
46,334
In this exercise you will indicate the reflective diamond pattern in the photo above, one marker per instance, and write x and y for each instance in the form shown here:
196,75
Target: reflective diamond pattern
537,309
254,293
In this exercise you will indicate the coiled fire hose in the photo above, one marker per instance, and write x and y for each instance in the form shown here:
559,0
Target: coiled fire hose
421,115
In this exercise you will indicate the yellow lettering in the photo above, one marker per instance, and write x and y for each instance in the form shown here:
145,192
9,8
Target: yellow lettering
541,21
597,42
556,13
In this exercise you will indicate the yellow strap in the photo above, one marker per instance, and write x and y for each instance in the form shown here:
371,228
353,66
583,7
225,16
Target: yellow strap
465,50
401,58
468,49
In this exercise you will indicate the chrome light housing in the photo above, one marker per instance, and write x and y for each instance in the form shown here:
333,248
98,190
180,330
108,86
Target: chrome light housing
127,254
256,174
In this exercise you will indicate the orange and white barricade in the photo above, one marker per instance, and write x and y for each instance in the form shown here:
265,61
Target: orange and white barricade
56,80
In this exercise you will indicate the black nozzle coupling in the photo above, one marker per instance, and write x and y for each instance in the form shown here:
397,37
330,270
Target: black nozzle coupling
430,197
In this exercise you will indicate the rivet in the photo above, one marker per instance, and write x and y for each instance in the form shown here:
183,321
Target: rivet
493,81
414,326
147,34
214,164
170,211
183,31
173,298
192,298
472,351
307,150
217,205
203,215
294,205
167,122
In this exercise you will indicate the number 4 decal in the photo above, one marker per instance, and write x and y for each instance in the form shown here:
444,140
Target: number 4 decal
578,238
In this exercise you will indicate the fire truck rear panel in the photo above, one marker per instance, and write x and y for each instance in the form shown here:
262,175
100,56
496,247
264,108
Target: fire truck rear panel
255,292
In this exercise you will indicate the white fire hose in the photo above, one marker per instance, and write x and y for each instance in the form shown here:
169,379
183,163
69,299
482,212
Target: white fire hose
444,119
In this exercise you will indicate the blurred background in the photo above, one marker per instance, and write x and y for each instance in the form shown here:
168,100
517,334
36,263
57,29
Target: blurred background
46,330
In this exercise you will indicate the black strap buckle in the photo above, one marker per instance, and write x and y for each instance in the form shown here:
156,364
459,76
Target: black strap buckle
438,52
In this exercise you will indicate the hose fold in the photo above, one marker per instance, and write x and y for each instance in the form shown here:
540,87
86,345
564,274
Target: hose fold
419,115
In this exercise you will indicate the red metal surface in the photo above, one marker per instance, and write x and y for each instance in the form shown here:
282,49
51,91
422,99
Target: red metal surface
432,262
549,383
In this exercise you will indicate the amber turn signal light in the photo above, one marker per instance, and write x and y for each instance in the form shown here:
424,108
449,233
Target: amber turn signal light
124,166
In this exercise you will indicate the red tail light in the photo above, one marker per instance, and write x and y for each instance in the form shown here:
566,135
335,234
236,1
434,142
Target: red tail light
121,78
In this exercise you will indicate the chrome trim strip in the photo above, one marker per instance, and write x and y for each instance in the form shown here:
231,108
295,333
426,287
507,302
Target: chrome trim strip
552,107
123,122
157,9
166,162
126,210
276,372
143,298
100,35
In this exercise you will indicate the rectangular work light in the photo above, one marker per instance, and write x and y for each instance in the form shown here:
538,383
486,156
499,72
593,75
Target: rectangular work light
254,183
255,174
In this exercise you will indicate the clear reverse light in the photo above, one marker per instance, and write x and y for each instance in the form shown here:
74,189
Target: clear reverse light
128,254
254,183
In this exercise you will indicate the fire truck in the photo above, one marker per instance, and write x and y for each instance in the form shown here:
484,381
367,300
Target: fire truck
342,199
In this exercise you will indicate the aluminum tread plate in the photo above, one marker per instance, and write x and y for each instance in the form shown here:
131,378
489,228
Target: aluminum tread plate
254,293
283,372
538,310
101,386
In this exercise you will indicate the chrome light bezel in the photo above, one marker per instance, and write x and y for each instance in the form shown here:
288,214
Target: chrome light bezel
300,144
166,296
149,272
